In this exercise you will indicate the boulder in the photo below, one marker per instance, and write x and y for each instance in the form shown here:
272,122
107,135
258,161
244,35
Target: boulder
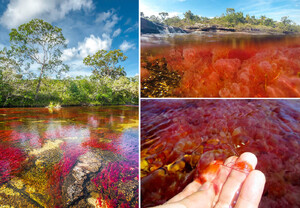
74,184
149,27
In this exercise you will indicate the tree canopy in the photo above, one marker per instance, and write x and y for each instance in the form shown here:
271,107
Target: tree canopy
105,63
38,42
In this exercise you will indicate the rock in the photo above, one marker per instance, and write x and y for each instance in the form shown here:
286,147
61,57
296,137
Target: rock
74,185
149,27
82,204
130,190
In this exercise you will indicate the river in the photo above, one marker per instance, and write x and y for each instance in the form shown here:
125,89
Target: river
220,65
178,135
73,156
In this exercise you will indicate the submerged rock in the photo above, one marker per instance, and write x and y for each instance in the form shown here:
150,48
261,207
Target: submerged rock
74,184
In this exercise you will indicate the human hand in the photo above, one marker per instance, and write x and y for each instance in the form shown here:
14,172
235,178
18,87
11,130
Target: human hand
230,187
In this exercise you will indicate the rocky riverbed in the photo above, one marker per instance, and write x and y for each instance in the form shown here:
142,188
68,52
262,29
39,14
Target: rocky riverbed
71,157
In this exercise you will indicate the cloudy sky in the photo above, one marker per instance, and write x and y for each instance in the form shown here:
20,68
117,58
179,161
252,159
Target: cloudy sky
88,25
209,8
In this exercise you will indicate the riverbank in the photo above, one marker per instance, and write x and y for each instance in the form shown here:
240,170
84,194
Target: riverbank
155,27
256,30
80,91
65,106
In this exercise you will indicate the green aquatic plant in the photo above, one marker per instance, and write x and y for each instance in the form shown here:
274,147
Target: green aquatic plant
54,105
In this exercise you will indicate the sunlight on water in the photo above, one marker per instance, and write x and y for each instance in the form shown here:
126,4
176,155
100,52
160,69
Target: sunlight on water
55,158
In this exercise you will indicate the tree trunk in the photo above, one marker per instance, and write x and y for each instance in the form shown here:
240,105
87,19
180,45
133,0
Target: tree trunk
39,84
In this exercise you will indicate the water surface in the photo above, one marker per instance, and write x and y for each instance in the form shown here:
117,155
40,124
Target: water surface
74,156
220,65
176,135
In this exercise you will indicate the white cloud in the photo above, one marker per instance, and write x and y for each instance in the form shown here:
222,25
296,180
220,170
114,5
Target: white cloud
22,11
126,46
92,44
89,46
108,20
271,9
128,21
117,32
132,28
103,16
68,54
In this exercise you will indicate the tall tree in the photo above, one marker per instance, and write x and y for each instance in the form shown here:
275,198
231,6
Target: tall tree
285,20
230,11
38,42
189,16
163,15
9,76
104,63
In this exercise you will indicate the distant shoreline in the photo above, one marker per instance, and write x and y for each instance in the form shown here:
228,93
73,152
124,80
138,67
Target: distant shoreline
150,27
224,30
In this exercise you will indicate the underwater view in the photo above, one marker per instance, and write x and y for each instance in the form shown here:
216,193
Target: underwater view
69,157
212,64
179,137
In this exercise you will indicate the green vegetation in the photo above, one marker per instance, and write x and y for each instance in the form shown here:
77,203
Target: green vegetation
104,63
39,43
230,19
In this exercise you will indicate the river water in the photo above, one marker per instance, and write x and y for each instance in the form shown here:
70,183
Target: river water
73,156
220,65
177,134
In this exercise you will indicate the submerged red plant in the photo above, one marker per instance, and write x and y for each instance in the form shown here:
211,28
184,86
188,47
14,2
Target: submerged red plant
57,175
111,178
11,160
245,68
179,134
77,130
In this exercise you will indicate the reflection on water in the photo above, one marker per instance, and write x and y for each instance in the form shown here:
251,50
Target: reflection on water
177,134
74,156
221,65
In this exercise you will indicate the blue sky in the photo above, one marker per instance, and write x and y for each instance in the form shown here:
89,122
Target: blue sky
209,8
88,25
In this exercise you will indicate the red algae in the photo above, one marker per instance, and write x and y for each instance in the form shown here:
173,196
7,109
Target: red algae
38,146
11,160
111,181
260,66
186,139
211,172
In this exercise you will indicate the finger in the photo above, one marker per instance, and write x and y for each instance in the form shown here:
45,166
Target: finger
195,186
234,181
187,191
252,190
202,198
223,175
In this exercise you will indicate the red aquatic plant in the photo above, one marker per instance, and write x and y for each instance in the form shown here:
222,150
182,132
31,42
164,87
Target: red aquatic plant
11,160
185,132
57,175
5,135
111,178
222,70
